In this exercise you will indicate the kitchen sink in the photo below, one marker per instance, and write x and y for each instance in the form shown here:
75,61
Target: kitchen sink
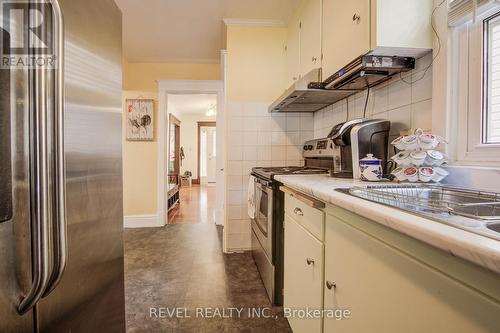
475,211
494,226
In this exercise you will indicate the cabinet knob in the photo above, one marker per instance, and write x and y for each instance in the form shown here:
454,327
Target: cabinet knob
313,59
310,261
298,211
331,285
356,18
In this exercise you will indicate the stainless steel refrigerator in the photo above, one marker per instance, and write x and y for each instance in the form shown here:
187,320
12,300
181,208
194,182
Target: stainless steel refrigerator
61,214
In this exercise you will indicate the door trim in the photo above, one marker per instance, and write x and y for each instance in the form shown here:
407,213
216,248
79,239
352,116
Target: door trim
200,125
166,87
177,123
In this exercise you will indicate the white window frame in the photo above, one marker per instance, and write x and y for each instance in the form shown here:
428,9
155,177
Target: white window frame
467,59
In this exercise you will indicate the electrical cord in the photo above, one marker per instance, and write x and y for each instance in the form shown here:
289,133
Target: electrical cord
438,50
366,102
347,116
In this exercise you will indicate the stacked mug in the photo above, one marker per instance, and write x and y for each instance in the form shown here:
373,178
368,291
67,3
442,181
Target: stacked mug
418,159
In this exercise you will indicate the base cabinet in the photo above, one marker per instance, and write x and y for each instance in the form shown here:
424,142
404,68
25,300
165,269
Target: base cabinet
387,291
303,277
366,277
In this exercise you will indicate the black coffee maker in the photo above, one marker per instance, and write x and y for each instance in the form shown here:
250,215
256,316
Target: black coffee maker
356,138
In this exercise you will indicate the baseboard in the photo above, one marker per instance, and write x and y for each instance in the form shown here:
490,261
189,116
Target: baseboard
142,221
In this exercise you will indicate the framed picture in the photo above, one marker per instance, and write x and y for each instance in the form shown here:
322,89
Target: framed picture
140,122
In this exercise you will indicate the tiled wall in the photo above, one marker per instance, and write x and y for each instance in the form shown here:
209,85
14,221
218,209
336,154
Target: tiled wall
405,104
257,138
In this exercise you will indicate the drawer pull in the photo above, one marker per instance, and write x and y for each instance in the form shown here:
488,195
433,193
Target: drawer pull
298,211
310,261
331,285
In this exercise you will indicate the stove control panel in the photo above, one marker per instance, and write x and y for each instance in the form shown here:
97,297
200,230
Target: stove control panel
318,148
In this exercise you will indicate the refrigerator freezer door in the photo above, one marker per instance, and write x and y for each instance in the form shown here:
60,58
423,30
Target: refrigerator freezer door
90,296
15,241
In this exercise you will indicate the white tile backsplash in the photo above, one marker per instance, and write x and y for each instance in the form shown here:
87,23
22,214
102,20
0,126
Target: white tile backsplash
258,138
421,114
250,138
399,94
292,123
250,153
400,118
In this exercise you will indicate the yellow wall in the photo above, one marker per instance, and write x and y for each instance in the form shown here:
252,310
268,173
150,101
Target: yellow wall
255,63
140,159
143,76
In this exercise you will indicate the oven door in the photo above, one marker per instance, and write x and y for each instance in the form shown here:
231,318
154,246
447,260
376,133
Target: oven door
263,221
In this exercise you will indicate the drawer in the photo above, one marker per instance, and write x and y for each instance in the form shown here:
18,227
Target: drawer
305,211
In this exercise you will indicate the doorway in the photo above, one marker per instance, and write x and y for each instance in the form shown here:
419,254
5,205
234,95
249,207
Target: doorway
207,152
192,156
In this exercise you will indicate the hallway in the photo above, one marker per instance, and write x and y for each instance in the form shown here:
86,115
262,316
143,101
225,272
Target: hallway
182,265
197,205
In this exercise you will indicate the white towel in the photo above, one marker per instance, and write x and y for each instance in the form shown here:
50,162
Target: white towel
251,197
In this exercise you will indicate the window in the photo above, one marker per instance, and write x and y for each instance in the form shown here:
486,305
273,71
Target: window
491,108
475,81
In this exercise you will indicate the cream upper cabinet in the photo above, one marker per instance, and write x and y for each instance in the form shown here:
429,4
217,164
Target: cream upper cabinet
388,291
310,35
346,33
303,49
293,51
384,27
303,276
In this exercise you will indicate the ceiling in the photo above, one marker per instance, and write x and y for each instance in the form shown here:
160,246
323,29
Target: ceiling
189,31
192,104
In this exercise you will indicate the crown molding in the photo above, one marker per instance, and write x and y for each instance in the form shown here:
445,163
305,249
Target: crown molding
254,22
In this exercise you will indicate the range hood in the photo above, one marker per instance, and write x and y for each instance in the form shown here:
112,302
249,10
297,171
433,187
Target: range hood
367,71
307,95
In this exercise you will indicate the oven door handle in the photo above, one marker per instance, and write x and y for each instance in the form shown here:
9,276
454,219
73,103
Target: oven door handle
262,182
257,206
260,227
260,187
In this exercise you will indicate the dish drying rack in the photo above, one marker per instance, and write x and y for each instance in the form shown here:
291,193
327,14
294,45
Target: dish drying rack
434,199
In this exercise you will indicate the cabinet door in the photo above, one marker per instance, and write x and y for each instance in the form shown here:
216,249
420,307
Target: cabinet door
346,33
303,276
310,36
388,291
293,51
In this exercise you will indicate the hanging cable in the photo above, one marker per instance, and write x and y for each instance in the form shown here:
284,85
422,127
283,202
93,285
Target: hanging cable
438,50
347,116
366,102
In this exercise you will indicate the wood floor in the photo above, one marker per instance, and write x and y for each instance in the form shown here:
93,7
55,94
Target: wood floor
197,205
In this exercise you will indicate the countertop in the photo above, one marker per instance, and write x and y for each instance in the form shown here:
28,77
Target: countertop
478,249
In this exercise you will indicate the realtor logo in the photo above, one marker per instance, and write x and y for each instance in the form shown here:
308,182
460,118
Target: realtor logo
27,39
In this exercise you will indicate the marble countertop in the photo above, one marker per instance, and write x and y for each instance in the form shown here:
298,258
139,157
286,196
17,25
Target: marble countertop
478,249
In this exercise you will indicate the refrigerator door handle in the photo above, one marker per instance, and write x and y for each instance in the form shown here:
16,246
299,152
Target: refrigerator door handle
39,189
59,227
48,203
